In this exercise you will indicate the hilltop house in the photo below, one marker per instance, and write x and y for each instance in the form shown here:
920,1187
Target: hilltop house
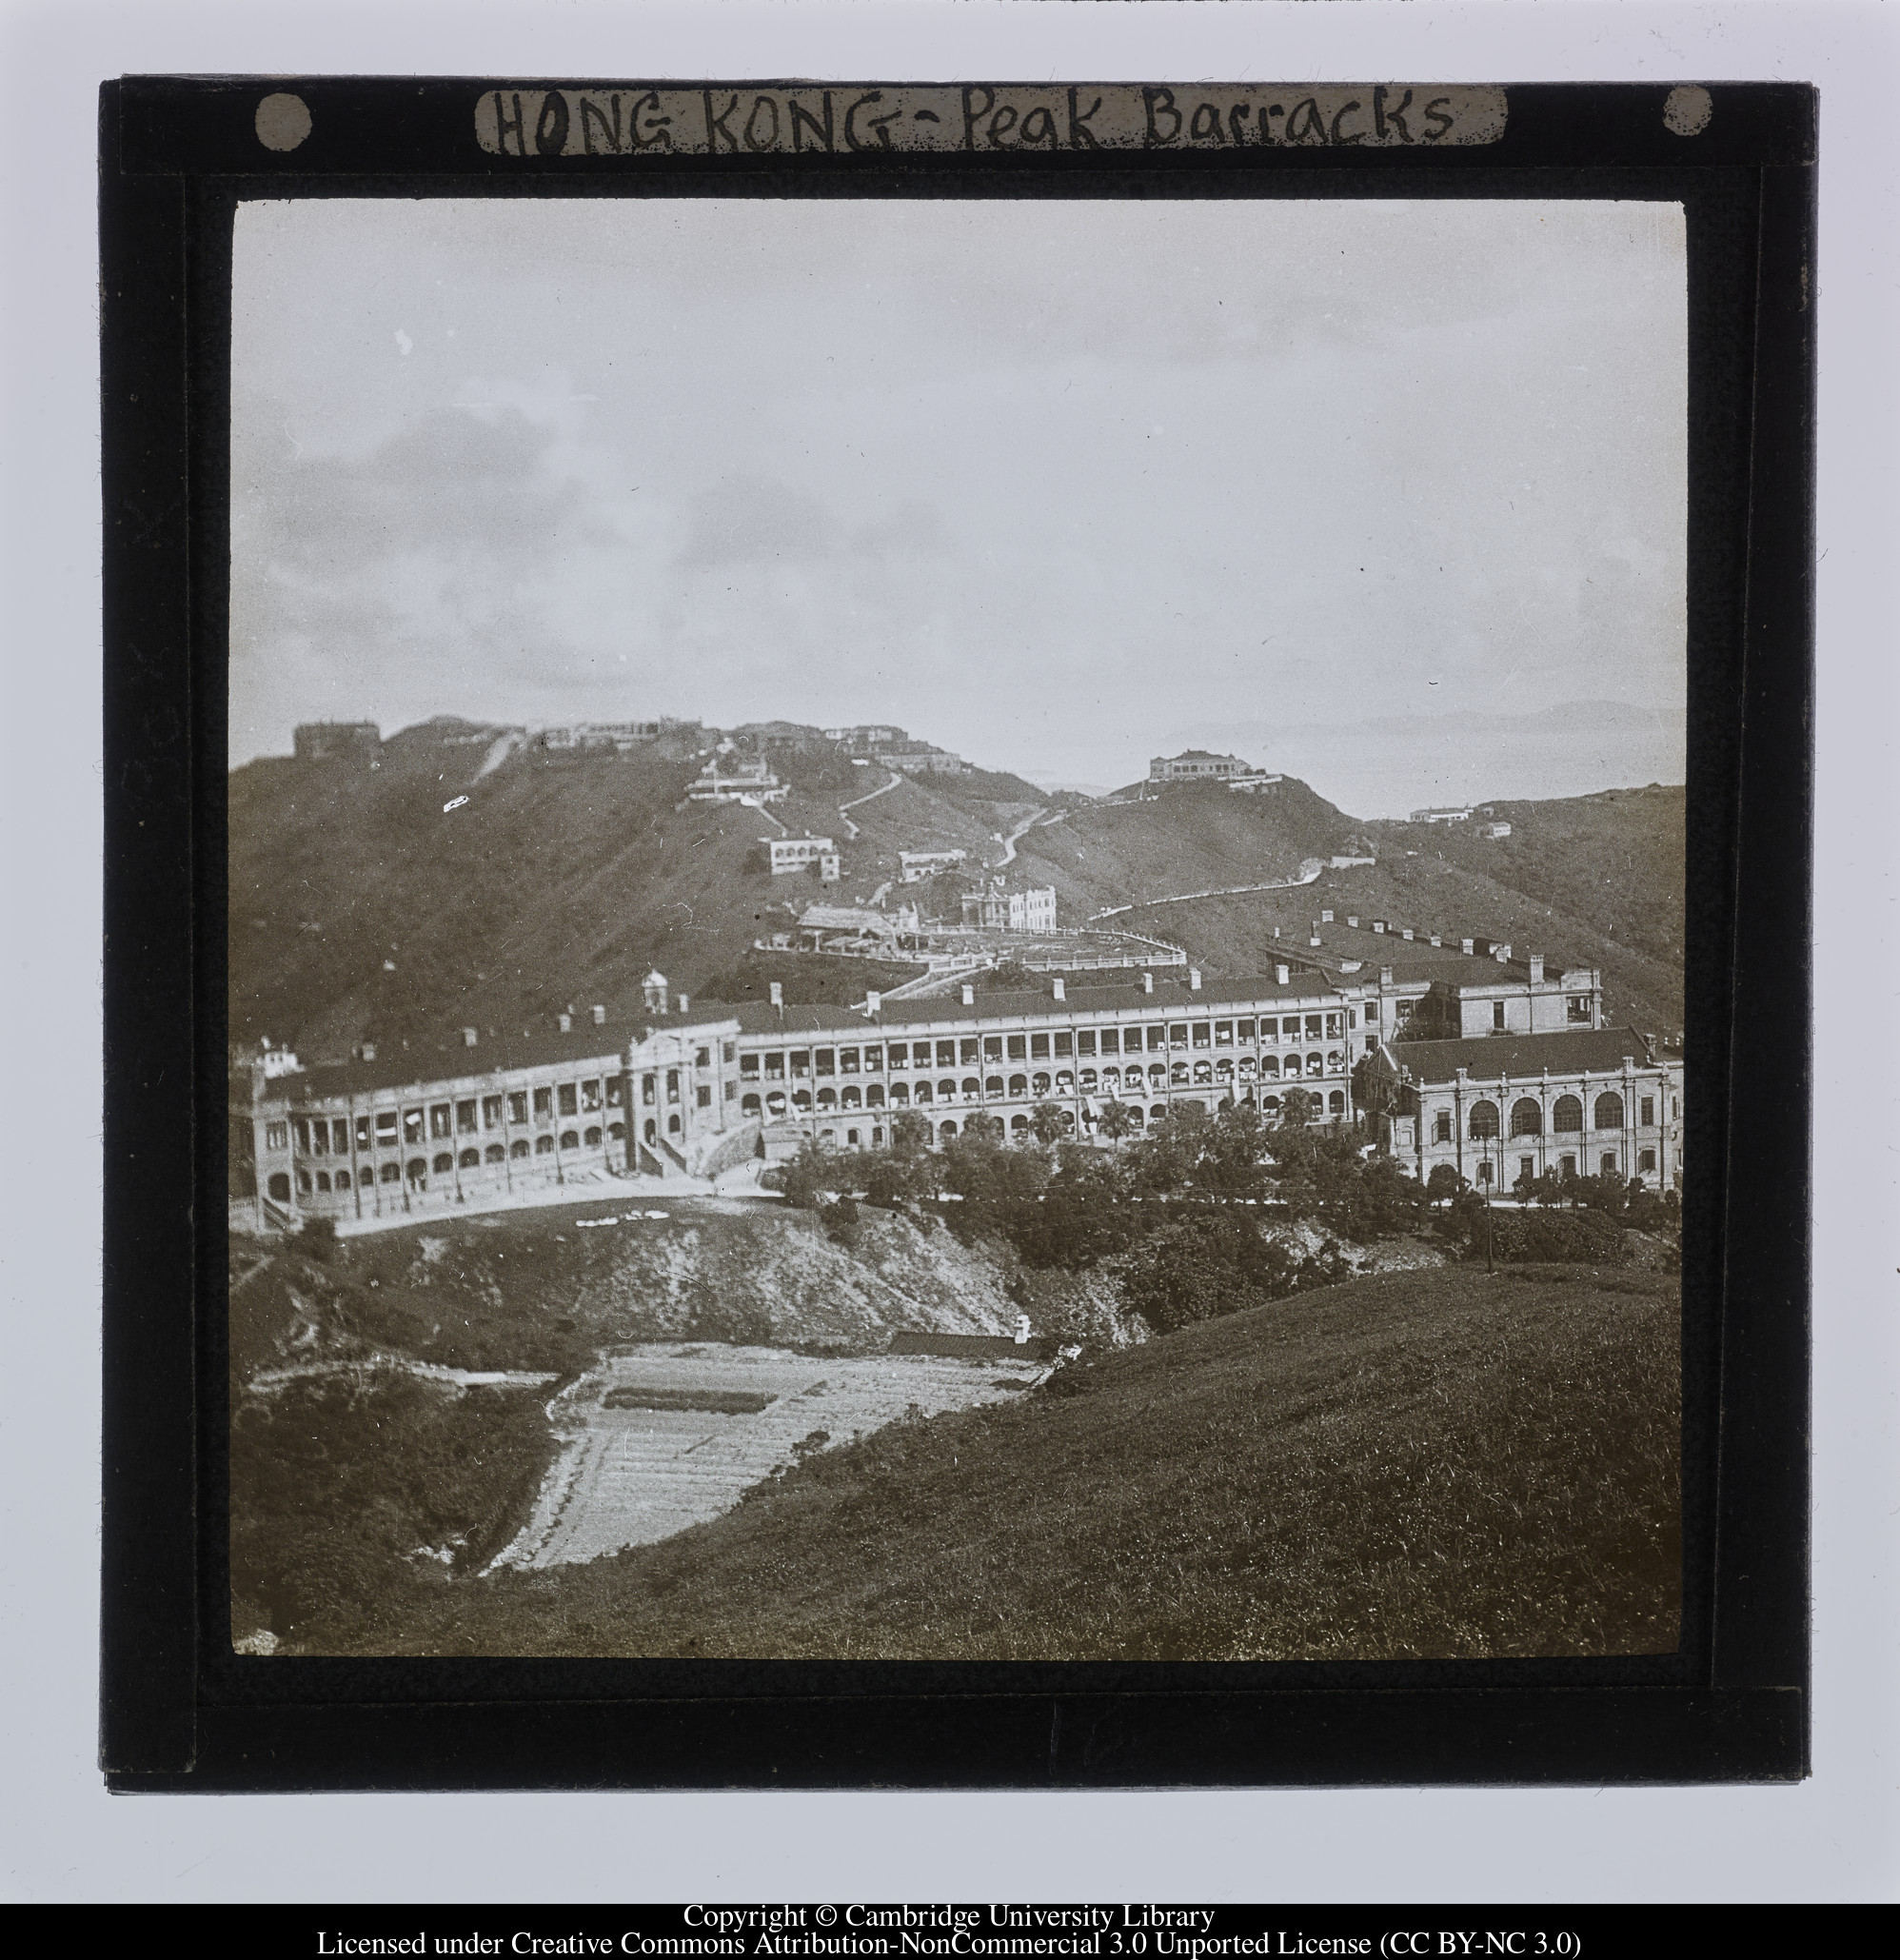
337,742
1197,765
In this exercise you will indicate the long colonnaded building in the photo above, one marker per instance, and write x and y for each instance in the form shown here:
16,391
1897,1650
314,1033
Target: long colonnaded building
680,1088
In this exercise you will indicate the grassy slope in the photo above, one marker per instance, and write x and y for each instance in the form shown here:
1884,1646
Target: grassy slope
1416,1465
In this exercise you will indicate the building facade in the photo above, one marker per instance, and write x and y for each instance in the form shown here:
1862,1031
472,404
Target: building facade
800,853
337,742
1199,765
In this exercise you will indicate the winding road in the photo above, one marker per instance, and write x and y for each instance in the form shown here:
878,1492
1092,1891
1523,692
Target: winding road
884,789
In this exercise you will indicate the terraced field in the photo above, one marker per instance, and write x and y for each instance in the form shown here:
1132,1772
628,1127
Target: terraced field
632,1473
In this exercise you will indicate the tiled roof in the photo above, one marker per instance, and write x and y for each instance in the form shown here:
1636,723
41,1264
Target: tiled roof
1521,1057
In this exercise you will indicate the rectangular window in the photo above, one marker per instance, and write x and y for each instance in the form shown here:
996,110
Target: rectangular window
277,1135
1157,1038
702,1058
731,1053
731,1089
439,1119
1401,1011
991,1047
1497,1017
590,1096
1223,1034
1111,1040
1178,1035
748,1067
1314,1026
569,1102
900,1055
672,1086
1648,1159
1579,1007
847,1062
824,1062
1351,1016
1018,1048
1649,1116
613,1092
874,1061
775,1068
491,1112
1675,1105
1243,1031
340,1137
1372,1011
970,1047
386,1126
1441,1127
649,1089
704,1096
1203,1035
1086,1042
544,1104
1527,1166
1063,1044
302,1126
466,1114
1038,1047
800,1062
362,1131
1335,1028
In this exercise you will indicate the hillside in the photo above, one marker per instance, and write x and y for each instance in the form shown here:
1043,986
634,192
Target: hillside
1418,1465
362,906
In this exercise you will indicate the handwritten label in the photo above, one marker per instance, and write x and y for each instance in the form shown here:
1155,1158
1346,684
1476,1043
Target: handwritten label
634,119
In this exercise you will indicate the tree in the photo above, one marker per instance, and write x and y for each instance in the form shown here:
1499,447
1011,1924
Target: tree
805,1176
910,1133
1298,1109
1443,1185
1115,1120
1048,1122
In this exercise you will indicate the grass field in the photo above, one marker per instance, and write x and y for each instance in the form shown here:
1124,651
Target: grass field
1441,1464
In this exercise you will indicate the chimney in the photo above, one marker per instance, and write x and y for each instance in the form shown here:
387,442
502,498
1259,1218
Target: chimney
1059,988
366,1051
1407,933
777,991
1385,975
1504,951
1147,983
874,1003
1436,941
469,1038
566,1023
1537,969
1194,978
969,995
1315,939
1352,919
1326,915
1378,924
684,1004
1466,946
1022,1330
1282,973
600,1015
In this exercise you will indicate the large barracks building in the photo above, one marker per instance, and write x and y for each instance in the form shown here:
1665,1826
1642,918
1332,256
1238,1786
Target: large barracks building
1487,1060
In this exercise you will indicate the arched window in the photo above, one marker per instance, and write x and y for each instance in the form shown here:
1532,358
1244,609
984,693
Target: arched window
280,1184
1178,1075
828,1099
1088,1081
1137,1115
1270,1065
1316,1064
444,1162
1019,1085
948,1131
518,1147
874,1096
946,1092
592,1137
801,1100
972,1089
900,1095
1157,1075
417,1170
1160,1110
748,1105
1609,1166
343,1181
1335,1102
673,1124
1271,1105
543,1146
1609,1112
472,1160
1020,1124
1566,1113
570,1140
1223,1068
1527,1119
923,1094
1065,1082
495,1154
851,1098
393,1174
1336,1061
322,1181
618,1131
1484,1120
1203,1073
1111,1080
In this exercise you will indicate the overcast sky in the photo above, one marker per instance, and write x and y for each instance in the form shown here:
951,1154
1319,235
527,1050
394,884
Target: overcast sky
1046,482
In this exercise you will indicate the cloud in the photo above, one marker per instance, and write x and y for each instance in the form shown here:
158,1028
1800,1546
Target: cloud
743,519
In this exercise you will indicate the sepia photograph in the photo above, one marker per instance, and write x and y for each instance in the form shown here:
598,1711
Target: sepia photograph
956,927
